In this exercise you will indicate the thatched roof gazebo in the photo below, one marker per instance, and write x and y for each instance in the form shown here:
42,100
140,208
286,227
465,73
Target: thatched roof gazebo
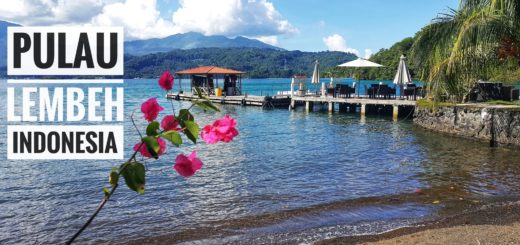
207,78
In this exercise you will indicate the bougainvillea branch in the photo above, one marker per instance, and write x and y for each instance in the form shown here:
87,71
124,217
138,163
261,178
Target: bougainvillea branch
154,144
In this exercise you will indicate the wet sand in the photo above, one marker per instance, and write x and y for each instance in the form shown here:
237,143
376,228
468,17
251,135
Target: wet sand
489,225
469,223
466,234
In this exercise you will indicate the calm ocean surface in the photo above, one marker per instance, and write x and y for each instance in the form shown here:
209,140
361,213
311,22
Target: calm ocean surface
289,176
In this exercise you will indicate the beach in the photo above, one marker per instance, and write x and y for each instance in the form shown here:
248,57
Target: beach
466,234
493,224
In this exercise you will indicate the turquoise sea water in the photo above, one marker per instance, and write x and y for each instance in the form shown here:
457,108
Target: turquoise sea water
290,176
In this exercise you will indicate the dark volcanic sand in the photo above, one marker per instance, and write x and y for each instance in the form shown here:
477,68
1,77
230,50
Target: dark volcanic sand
469,212
506,215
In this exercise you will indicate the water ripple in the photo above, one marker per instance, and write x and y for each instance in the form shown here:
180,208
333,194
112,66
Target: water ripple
282,160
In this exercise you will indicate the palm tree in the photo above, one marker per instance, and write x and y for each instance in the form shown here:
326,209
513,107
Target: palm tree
462,46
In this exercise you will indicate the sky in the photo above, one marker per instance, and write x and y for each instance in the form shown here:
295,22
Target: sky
358,26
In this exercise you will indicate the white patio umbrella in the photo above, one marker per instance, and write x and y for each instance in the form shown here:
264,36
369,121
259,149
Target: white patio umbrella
403,75
316,73
292,87
360,63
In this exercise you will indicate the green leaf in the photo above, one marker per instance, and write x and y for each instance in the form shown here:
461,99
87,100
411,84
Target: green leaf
205,105
200,94
152,128
191,130
172,136
134,174
152,146
105,190
113,178
184,115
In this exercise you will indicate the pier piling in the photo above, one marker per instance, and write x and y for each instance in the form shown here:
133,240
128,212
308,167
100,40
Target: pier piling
395,112
363,109
308,106
366,105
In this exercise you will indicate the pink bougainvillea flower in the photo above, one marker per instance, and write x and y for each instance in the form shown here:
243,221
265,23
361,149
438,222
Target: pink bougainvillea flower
151,109
222,130
170,123
144,151
187,166
209,135
166,81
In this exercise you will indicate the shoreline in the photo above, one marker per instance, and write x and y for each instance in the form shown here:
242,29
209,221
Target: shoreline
465,234
483,224
493,212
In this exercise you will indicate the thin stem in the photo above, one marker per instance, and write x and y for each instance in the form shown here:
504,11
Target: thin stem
114,187
98,209
171,103
135,126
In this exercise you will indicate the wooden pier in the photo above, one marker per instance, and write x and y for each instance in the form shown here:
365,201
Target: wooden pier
279,101
362,104
352,104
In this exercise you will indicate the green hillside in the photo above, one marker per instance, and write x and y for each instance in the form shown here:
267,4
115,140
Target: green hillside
190,40
387,57
258,63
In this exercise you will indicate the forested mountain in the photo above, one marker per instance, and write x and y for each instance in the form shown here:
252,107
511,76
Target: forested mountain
149,58
257,63
191,40
189,50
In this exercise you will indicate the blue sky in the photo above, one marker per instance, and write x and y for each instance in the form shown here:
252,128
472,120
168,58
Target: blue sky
364,24
372,24
307,25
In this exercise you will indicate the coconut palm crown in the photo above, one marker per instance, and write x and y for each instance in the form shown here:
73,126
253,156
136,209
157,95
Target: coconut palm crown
469,44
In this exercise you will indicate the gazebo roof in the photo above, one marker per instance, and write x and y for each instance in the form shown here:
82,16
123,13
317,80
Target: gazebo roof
209,70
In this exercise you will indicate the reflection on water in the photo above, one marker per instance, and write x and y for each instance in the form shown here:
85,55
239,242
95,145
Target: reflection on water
346,174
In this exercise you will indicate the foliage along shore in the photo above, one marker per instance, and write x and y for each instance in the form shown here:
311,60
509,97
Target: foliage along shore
257,63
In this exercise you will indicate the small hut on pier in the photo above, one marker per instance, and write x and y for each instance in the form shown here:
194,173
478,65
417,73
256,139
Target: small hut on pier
207,79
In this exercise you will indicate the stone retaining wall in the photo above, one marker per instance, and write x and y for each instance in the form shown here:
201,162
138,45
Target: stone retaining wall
500,126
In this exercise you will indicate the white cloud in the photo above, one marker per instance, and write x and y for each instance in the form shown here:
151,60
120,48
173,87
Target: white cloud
28,10
231,18
141,19
49,12
273,40
336,42
368,53
77,11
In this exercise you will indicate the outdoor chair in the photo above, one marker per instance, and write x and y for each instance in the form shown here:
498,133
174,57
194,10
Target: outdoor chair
343,90
337,90
391,92
485,91
349,90
509,93
379,91
412,91
383,91
331,92
419,91
372,91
